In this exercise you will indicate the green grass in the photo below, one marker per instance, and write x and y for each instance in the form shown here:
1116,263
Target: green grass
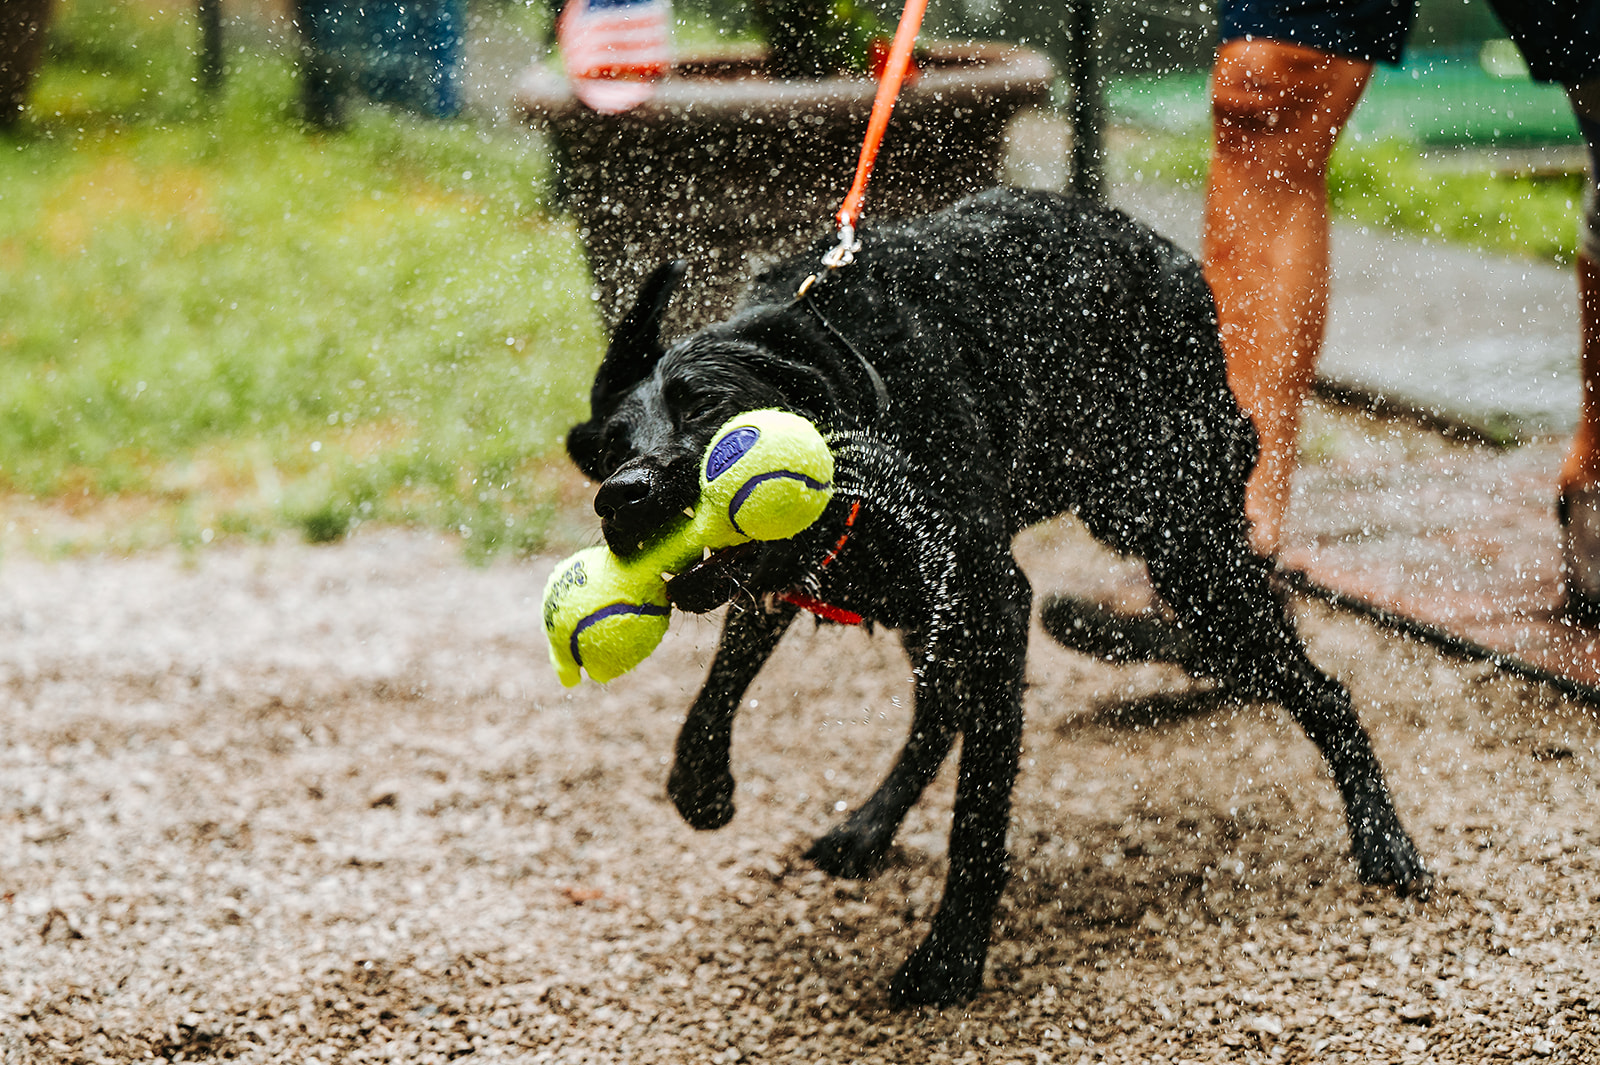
225,325
1392,184
1389,184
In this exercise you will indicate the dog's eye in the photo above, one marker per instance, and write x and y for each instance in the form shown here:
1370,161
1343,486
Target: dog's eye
700,409
614,455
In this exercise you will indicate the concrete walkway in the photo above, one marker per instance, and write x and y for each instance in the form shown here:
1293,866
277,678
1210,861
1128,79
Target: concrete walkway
1486,338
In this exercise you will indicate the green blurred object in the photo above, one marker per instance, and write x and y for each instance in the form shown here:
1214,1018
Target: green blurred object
1467,96
1465,196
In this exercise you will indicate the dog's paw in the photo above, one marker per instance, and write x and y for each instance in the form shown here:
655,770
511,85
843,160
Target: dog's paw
939,974
1393,861
1096,630
849,852
705,802
1385,854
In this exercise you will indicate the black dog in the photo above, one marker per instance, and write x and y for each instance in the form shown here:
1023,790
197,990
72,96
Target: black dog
1013,357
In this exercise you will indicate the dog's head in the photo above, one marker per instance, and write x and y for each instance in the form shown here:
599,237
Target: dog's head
654,410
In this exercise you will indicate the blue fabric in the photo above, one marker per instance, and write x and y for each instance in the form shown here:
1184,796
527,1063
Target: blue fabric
1559,38
1374,30
401,52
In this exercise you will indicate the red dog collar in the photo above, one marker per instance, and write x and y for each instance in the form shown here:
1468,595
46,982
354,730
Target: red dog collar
817,606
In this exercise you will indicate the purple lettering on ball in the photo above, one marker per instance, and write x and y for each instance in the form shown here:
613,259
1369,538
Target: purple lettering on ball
730,449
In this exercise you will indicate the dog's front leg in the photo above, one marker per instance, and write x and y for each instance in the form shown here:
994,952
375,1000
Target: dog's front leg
856,848
701,783
977,667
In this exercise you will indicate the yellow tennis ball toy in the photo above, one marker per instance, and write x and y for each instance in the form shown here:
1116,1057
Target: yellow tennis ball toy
766,475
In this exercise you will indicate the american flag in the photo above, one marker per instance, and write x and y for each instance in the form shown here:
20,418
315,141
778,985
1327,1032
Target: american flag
614,50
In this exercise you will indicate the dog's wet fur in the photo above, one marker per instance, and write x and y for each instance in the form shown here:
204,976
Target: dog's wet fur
1039,356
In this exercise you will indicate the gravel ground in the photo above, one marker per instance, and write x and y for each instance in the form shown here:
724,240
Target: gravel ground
287,803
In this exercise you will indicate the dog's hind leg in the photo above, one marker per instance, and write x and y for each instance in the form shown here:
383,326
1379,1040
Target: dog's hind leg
974,667
701,783
1246,638
1093,629
856,848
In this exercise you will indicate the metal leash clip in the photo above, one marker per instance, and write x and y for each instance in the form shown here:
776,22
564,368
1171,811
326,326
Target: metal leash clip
840,255
845,252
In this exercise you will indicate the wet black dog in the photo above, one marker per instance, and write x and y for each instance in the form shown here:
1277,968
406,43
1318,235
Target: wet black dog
1014,357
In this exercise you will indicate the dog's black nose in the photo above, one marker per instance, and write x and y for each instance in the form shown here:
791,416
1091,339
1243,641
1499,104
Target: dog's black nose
641,499
623,493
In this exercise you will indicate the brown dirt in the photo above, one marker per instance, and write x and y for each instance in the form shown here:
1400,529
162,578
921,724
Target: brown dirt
292,804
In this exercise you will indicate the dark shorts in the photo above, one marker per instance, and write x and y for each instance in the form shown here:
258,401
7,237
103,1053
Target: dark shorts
1559,38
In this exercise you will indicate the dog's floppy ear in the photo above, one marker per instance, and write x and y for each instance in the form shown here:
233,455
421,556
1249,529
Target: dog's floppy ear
636,344
635,349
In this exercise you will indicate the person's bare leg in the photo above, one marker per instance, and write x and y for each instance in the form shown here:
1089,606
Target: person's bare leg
1578,500
1277,110
1579,497
1582,468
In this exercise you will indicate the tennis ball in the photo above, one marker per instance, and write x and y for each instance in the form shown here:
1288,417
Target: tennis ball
766,475
602,615
769,473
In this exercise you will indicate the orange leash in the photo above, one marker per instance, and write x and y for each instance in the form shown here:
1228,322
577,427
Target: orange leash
894,74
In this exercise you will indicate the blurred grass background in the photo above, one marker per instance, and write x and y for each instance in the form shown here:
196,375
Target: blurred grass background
216,323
